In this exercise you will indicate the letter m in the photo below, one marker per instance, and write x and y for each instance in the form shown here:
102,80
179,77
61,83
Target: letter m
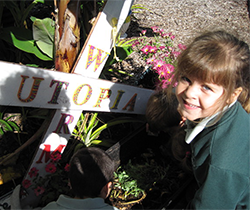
47,152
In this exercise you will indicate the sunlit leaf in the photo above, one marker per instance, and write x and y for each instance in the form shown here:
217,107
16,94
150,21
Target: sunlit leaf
45,48
43,34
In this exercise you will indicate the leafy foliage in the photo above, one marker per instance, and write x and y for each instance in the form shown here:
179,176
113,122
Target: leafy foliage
21,42
89,127
127,184
7,125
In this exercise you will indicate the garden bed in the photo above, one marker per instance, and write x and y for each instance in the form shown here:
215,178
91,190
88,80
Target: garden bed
148,161
136,147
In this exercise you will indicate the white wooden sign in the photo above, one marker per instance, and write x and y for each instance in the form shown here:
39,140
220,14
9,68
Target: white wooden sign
41,88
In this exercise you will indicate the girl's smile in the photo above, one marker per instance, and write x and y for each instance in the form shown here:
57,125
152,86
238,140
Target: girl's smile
189,106
198,100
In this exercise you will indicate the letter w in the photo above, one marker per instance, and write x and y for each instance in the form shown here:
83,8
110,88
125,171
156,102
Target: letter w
97,57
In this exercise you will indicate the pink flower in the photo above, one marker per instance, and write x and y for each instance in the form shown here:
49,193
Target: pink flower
26,183
169,68
66,168
166,54
155,29
158,64
165,83
161,71
39,190
51,168
33,172
170,48
165,71
151,60
135,43
144,32
161,47
182,46
152,49
160,31
145,49
172,37
55,156
164,35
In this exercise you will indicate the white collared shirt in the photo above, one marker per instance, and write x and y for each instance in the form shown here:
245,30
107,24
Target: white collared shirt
191,133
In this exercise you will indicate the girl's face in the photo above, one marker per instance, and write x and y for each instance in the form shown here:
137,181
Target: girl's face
197,99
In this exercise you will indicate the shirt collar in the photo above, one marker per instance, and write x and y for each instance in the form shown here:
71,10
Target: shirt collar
192,132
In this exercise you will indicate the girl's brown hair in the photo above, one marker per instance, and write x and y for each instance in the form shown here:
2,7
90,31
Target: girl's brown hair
218,57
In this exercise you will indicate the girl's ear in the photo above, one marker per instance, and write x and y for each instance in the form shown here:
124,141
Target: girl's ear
235,94
106,190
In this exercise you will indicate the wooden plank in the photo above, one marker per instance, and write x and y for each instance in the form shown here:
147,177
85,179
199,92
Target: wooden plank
42,88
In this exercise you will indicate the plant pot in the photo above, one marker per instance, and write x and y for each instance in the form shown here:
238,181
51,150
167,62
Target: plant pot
125,204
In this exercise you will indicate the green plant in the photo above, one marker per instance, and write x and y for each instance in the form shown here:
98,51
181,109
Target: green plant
84,128
6,124
138,177
126,185
89,127
137,8
123,49
22,43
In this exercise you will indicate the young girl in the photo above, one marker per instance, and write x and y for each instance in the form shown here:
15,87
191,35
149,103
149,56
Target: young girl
213,95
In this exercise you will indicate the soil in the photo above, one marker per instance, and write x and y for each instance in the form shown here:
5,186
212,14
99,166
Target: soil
185,19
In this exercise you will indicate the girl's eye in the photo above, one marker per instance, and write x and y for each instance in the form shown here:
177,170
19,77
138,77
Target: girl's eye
205,87
185,79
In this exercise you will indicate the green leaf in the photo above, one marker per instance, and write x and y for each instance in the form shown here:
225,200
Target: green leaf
96,142
47,2
126,43
45,48
43,34
14,125
93,122
1,131
44,29
22,39
26,12
5,125
122,53
14,115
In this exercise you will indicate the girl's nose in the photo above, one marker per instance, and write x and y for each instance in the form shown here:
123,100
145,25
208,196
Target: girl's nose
192,91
